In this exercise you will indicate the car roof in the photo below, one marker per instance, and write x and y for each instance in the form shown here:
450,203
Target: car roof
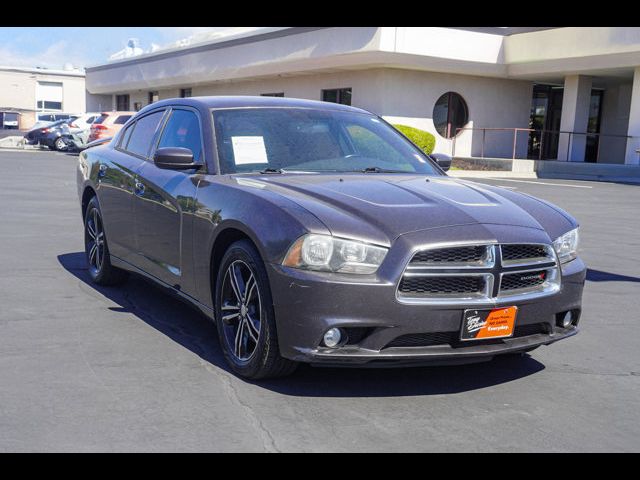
117,113
252,101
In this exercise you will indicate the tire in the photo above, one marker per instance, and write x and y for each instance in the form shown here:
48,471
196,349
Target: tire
58,144
244,314
96,249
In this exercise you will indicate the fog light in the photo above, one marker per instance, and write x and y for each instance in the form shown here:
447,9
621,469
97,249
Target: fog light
566,320
332,337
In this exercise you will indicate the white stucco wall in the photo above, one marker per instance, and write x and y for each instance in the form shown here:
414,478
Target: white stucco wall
409,97
614,120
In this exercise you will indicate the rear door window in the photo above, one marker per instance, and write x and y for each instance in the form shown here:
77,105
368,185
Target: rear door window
100,119
144,130
183,130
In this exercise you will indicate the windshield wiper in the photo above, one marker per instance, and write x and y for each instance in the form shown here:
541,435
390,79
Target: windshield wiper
380,170
271,170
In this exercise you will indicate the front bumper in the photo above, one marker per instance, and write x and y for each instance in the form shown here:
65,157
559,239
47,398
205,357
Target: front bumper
308,303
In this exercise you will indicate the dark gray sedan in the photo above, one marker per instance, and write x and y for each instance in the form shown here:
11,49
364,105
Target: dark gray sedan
315,232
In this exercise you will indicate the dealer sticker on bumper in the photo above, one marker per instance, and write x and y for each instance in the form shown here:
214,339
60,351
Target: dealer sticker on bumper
493,323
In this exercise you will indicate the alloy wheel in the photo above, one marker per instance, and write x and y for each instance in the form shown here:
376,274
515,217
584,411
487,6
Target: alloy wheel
60,145
94,241
241,310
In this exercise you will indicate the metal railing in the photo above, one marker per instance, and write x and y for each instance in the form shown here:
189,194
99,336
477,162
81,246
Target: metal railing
538,139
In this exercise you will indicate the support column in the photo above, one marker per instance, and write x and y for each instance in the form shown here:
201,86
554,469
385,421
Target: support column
633,130
576,100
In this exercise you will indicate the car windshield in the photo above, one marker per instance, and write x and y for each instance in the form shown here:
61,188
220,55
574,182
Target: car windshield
274,140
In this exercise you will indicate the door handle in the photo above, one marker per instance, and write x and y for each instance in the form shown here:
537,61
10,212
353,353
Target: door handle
139,188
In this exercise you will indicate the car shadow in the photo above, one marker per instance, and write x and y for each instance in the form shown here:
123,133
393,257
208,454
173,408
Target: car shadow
600,276
194,331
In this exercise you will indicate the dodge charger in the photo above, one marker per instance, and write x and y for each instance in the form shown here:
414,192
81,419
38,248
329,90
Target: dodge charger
315,232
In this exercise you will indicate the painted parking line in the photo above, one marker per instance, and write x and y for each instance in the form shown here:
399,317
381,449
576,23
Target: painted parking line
538,183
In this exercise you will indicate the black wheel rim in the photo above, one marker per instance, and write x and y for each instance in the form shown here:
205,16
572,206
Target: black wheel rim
241,310
94,242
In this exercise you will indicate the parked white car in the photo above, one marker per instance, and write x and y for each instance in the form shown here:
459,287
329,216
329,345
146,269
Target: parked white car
83,122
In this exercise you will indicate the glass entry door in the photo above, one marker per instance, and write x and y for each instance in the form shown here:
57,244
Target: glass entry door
546,111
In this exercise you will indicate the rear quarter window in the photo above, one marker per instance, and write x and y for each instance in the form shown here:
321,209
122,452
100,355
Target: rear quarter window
144,130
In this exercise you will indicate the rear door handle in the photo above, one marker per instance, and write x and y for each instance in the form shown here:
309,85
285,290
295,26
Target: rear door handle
139,188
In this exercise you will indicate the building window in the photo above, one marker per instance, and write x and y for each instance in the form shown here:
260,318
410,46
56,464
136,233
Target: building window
122,103
49,96
185,93
449,114
279,94
337,95
137,106
47,105
153,97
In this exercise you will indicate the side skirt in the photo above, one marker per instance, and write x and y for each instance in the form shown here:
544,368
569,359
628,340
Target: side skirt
206,310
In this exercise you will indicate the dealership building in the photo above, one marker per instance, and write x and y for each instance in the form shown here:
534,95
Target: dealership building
27,92
570,94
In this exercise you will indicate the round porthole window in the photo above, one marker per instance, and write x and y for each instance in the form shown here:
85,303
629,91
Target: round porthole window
449,114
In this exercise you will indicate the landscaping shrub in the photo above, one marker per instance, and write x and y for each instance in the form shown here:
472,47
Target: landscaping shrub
423,140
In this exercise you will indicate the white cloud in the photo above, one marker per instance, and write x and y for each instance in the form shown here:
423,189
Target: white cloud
54,56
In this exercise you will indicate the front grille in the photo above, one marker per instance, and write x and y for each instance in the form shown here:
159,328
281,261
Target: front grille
479,273
441,285
453,338
524,253
517,281
471,254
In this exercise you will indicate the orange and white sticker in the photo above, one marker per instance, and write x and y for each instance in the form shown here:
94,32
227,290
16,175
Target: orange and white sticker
495,323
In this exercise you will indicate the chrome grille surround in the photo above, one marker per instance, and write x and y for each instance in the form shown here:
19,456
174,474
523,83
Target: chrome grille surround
516,271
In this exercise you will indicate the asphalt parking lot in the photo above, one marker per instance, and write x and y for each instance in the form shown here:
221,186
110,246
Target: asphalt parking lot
130,369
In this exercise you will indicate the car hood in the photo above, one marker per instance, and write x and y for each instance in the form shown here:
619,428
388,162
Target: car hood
380,207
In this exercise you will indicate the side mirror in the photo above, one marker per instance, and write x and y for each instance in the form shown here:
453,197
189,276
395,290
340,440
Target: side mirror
175,158
443,160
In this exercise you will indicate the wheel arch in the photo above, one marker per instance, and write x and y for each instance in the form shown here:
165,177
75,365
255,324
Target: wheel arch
87,194
224,239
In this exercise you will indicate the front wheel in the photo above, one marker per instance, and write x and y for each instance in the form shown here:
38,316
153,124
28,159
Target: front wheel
96,249
244,315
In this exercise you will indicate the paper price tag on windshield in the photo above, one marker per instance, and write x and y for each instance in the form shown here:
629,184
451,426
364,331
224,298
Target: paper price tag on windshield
249,150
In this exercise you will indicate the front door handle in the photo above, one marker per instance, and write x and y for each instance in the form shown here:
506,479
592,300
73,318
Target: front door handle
139,188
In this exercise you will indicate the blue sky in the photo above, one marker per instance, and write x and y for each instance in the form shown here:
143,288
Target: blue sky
52,47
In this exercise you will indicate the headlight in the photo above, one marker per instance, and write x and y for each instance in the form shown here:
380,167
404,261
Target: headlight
327,253
566,246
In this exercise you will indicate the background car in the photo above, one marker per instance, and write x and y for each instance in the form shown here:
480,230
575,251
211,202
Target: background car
9,120
83,122
108,124
53,136
46,119
45,135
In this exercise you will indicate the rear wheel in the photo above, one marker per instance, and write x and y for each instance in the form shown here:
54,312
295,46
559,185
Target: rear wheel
97,250
244,315
59,144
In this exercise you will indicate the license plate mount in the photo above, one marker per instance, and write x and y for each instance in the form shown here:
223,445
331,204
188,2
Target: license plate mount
482,324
